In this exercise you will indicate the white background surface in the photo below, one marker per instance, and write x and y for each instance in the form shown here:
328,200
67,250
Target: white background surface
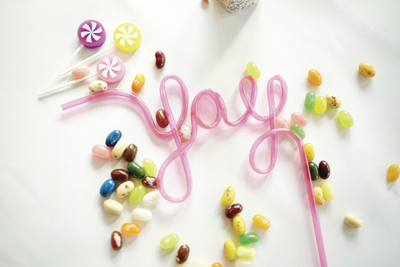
51,211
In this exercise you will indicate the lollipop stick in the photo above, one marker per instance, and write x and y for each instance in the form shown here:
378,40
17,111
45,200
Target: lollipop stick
88,59
66,84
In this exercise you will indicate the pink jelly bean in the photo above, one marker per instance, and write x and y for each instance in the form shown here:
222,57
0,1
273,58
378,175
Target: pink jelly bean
101,151
282,123
298,118
80,72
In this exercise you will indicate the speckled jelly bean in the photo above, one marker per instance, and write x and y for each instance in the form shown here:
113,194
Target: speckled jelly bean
310,152
137,194
261,222
367,69
393,173
314,77
107,187
228,196
345,119
116,240
352,220
113,206
149,167
297,129
327,190
119,149
185,133
113,138
97,86
244,263
299,119
149,182
101,151
324,170
161,118
313,171
253,70
124,189
319,196
136,170
169,241
130,153
233,210
160,59
141,215
182,254
130,229
230,250
248,238
246,252
320,105
239,226
333,100
309,102
120,175
138,83
151,198
282,123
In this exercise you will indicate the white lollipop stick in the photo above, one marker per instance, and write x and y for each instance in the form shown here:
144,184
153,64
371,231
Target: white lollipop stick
66,84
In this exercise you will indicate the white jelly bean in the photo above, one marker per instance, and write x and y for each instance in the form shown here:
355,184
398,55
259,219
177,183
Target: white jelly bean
199,263
352,220
98,86
119,149
141,215
151,198
113,206
244,263
125,189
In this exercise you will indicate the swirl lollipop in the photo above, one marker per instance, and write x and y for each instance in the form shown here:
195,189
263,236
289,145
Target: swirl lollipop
127,37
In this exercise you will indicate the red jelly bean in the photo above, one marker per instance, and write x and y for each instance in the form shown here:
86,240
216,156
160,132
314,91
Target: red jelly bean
160,59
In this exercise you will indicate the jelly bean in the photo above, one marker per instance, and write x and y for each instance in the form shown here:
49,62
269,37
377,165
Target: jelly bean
101,151
393,173
324,170
230,250
333,100
130,153
253,70
137,194
352,220
313,170
149,182
314,77
239,226
248,238
297,129
244,252
113,206
113,138
233,210
182,254
125,189
320,105
120,175
136,170
98,86
138,83
107,187
216,264
149,167
185,133
244,263
310,152
200,263
141,215
116,240
119,149
80,72
160,59
327,191
161,118
169,241
282,123
319,196
151,198
367,69
261,222
310,101
130,229
228,197
298,118
345,119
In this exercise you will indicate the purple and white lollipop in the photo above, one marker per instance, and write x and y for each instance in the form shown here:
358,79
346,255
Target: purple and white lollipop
111,69
91,33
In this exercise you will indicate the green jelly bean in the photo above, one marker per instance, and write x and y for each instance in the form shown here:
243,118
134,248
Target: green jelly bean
137,194
169,241
345,119
253,70
136,170
313,170
248,238
297,129
310,101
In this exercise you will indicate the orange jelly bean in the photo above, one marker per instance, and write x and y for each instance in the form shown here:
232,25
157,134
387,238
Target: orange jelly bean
314,77
393,173
130,229
216,264
261,221
137,83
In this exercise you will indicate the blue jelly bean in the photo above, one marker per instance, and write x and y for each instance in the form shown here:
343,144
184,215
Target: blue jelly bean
107,188
113,138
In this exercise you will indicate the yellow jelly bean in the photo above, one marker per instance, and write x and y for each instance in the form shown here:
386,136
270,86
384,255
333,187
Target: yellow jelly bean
327,191
239,225
137,83
310,152
228,197
319,196
149,167
230,250
314,77
393,173
247,253
261,222
320,105
367,69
